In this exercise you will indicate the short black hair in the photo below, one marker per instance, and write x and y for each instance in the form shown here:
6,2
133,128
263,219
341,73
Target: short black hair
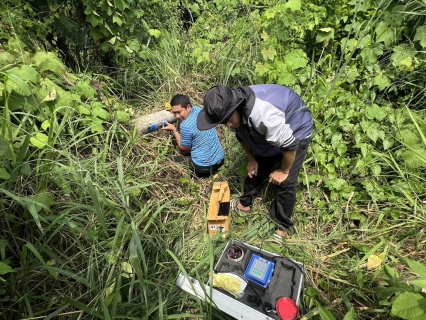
180,99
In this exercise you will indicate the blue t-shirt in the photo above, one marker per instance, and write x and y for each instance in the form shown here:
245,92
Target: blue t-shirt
206,149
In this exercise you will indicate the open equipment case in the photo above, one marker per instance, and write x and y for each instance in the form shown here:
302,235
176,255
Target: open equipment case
259,301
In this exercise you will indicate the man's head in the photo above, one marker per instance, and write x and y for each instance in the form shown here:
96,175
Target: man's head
220,102
181,107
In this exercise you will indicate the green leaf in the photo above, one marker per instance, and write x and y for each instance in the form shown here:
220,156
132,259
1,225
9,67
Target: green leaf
5,269
296,59
84,88
269,53
410,306
293,5
348,45
4,146
44,198
52,96
100,113
18,85
360,5
419,282
96,127
26,73
122,116
325,314
381,81
121,4
83,110
117,19
6,58
352,74
48,62
416,267
94,20
154,32
40,140
351,315
421,35
4,175
375,112
324,35
403,56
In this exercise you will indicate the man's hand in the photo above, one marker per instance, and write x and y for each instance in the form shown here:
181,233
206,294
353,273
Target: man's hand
169,127
277,177
252,167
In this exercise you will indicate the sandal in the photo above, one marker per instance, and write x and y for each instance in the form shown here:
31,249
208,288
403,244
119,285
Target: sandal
234,207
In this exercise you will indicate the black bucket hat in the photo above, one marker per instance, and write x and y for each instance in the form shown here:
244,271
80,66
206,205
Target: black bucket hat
220,103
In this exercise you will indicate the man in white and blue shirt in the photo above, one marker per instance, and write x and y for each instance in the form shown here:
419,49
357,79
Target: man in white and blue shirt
273,126
204,147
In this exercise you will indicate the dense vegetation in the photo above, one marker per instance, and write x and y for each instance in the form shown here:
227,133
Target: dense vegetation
97,222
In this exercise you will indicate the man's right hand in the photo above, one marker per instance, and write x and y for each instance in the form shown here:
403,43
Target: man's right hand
169,127
252,167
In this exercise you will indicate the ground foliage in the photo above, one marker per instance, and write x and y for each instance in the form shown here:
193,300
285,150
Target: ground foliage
97,222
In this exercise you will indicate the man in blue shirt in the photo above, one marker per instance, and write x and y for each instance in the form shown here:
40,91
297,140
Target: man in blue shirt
273,125
204,147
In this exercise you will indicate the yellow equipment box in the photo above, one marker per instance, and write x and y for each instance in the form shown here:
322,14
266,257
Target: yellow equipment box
219,215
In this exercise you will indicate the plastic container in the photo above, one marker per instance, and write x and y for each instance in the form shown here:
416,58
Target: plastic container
153,121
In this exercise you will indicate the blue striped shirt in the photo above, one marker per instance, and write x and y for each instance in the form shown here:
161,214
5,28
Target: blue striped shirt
206,149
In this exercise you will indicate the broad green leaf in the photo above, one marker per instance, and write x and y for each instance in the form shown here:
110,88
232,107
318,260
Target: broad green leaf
48,62
100,113
52,96
410,306
384,33
4,146
134,45
293,5
296,59
348,45
416,267
84,88
5,269
155,32
18,85
360,5
26,73
324,35
45,125
96,127
44,198
262,68
127,267
122,116
351,315
375,112
421,36
117,19
83,110
6,59
382,81
4,175
287,78
352,74
325,314
121,4
94,20
419,282
269,53
40,140
369,54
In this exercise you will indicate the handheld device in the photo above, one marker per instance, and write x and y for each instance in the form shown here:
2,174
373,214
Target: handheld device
259,271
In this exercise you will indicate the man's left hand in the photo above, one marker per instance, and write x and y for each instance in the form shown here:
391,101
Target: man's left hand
277,177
